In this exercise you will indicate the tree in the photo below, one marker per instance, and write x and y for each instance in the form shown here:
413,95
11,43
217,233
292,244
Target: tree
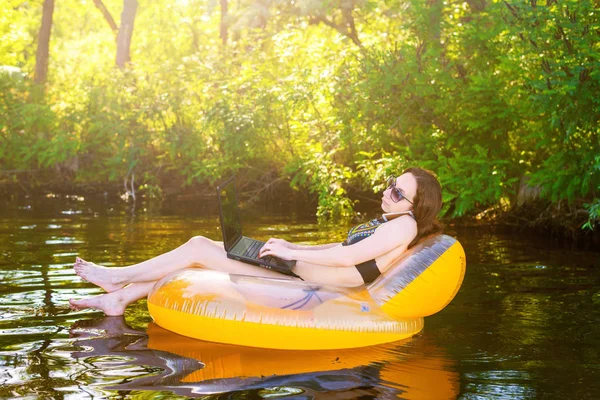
43,49
125,32
346,25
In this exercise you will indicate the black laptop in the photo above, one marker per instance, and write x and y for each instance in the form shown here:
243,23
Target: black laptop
237,246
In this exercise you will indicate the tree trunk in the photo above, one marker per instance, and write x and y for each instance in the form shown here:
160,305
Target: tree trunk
43,50
125,32
224,22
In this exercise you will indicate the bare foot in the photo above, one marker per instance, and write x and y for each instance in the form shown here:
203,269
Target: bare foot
111,304
104,277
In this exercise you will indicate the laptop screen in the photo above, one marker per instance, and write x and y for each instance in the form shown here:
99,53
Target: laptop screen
230,215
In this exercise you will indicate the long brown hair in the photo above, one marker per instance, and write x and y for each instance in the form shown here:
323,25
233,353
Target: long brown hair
426,204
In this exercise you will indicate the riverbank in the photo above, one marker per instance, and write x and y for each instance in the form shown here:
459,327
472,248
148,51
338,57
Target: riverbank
564,225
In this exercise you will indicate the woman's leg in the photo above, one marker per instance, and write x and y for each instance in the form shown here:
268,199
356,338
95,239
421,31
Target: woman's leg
198,251
114,303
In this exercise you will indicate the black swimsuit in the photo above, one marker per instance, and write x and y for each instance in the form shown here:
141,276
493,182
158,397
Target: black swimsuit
368,269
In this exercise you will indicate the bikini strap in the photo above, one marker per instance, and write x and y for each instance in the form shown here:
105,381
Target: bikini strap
390,216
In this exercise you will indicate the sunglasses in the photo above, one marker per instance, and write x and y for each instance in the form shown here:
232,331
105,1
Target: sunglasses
396,195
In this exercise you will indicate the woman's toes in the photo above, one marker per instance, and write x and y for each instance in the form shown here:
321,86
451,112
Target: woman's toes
80,273
73,305
78,305
96,274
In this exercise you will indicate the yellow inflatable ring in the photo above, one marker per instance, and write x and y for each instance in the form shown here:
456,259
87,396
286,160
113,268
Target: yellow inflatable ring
296,315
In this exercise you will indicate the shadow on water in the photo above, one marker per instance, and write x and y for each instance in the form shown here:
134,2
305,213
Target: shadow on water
164,361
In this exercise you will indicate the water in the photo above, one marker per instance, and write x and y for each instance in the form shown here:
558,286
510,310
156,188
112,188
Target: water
524,325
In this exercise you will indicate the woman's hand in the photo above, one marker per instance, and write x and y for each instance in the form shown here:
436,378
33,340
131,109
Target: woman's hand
277,248
281,242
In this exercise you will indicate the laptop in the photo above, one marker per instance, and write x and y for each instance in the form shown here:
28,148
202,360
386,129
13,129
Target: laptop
238,246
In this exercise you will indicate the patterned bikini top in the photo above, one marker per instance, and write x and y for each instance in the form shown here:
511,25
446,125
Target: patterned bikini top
363,231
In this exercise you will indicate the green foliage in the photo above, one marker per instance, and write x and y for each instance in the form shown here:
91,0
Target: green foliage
561,63
594,214
326,179
482,93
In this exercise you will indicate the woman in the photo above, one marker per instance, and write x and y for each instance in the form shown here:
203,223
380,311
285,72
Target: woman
411,204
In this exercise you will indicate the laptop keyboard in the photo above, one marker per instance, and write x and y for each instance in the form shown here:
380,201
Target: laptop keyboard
252,250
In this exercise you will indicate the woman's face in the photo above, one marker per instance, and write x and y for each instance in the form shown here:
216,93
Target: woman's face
406,184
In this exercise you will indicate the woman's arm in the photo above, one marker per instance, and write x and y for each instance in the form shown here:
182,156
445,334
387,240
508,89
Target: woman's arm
315,247
393,234
293,246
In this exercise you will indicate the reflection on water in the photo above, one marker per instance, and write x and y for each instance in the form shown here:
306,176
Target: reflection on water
157,358
524,325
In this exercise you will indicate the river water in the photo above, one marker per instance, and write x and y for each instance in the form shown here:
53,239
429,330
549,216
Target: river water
525,324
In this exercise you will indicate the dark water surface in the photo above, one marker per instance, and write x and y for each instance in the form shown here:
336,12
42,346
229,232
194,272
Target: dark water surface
524,325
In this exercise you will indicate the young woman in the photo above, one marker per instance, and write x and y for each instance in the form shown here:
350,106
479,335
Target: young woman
410,203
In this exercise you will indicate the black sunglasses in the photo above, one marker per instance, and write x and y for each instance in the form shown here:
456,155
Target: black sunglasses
396,195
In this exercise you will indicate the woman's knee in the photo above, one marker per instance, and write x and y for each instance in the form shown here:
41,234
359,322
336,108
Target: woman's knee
199,242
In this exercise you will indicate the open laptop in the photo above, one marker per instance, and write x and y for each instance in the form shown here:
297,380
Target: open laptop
237,246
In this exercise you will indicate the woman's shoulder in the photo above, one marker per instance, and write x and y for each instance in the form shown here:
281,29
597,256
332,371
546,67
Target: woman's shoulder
400,217
404,222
